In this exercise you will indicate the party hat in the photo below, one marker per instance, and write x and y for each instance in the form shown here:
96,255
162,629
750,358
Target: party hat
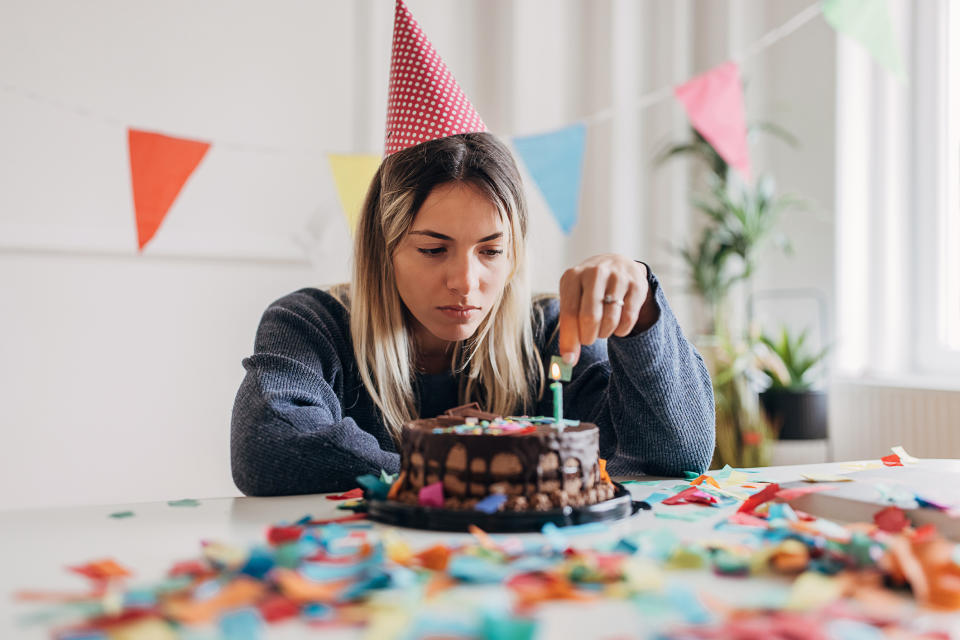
425,102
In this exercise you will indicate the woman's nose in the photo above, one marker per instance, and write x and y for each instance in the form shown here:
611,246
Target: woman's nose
462,276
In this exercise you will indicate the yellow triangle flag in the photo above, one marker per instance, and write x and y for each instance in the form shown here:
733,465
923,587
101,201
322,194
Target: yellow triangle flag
352,173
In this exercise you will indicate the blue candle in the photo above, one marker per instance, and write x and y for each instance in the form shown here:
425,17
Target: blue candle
557,389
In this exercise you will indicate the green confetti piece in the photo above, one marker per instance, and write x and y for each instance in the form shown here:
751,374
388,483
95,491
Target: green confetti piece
185,502
691,475
122,514
566,370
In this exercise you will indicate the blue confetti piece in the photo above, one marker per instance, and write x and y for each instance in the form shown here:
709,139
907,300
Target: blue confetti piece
685,601
206,590
373,486
259,563
476,570
853,630
500,627
529,564
654,498
139,599
317,611
491,503
428,625
241,624
380,580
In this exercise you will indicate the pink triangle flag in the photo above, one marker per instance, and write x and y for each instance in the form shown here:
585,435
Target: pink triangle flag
714,104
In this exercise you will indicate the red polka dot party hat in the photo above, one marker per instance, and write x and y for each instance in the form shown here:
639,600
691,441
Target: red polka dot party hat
425,102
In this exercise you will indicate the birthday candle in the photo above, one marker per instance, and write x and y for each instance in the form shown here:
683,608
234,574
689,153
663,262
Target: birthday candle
557,389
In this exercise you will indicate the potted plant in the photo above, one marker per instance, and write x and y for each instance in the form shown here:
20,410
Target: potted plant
795,408
740,221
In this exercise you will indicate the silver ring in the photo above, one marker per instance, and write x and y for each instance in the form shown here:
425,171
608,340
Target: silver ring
609,299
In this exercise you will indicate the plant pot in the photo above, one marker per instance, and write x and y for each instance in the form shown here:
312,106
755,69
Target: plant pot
796,415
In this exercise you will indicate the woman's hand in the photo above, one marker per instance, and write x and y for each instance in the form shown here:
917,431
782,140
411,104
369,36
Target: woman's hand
602,296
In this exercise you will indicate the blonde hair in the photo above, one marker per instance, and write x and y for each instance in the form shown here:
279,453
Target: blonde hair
500,365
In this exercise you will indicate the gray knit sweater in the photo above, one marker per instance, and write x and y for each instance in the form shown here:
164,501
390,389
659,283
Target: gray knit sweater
304,423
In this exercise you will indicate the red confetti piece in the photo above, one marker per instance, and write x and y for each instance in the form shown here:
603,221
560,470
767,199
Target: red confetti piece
350,518
349,495
892,460
691,495
892,519
786,495
101,570
277,607
926,533
766,494
192,568
278,535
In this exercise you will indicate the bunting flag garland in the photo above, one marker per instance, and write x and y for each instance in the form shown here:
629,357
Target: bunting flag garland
159,167
714,104
555,161
867,22
352,174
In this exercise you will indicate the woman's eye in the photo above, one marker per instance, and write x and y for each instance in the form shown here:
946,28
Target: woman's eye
492,252
435,251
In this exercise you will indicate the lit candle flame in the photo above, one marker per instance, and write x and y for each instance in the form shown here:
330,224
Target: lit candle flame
555,371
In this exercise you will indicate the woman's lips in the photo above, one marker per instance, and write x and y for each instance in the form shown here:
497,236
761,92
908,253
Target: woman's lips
462,314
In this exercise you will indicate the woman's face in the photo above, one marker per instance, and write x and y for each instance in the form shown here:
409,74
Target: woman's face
453,264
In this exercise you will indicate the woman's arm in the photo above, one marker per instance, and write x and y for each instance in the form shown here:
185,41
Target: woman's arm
288,432
650,395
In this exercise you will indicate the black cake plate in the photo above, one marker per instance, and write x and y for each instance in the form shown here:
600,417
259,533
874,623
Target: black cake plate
620,506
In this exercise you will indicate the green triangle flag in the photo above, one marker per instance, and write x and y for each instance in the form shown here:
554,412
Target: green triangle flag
867,22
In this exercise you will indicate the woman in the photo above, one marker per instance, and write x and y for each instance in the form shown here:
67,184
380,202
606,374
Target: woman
439,314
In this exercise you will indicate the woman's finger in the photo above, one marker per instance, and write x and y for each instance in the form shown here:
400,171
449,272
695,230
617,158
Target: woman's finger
593,283
615,291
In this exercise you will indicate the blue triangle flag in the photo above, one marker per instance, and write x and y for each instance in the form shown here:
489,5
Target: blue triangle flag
555,161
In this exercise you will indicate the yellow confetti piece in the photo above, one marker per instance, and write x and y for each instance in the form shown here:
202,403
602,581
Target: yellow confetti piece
905,457
824,477
387,624
397,549
641,574
145,629
812,590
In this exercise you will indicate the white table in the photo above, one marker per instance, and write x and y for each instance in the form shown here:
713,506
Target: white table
38,544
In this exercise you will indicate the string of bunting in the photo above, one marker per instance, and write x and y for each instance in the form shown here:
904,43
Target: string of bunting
161,164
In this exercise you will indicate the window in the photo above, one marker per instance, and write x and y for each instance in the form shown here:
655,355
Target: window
898,201
937,118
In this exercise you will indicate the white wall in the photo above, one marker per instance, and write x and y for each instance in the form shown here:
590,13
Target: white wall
119,369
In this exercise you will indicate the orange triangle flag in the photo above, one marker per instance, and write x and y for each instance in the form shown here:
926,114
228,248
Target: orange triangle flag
159,167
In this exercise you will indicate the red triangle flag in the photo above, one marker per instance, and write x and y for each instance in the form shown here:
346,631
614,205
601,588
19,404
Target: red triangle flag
159,167
714,104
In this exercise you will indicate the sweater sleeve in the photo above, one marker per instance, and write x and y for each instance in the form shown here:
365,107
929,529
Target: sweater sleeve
288,431
649,394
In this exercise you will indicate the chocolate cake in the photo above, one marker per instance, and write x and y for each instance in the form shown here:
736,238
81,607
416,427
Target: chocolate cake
474,454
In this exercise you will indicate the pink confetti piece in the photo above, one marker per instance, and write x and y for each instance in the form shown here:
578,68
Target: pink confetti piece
431,495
